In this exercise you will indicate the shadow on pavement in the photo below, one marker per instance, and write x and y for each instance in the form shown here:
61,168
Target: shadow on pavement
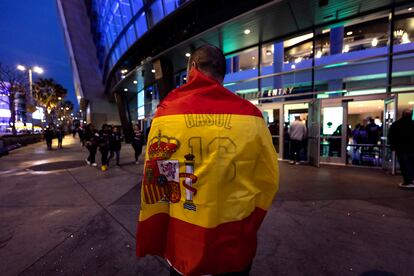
57,166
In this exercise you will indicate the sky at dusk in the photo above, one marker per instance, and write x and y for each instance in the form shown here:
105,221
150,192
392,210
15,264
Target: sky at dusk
31,34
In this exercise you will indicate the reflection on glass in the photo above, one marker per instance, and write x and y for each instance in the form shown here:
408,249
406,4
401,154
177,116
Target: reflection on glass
155,13
331,131
141,25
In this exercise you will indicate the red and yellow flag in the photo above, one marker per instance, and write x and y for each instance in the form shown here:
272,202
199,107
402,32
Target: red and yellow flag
210,175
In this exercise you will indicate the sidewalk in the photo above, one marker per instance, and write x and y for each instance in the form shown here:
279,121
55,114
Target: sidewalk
61,217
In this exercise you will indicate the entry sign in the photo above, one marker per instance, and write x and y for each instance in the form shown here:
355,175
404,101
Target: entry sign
158,69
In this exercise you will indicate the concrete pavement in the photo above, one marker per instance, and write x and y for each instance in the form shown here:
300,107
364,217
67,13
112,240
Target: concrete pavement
61,217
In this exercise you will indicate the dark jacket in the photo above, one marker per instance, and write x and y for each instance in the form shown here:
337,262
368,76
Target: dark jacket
138,137
104,139
374,133
91,137
48,135
60,134
401,135
115,140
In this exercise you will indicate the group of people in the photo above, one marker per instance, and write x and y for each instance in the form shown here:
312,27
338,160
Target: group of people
365,138
108,140
50,133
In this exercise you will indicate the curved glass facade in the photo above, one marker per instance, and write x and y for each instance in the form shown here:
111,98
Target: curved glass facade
118,24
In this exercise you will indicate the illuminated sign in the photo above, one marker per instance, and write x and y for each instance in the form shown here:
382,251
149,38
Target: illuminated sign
38,114
5,113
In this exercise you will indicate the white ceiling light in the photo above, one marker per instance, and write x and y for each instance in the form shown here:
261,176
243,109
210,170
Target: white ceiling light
153,70
410,9
349,33
187,54
135,82
293,66
299,59
125,89
246,32
374,42
268,53
296,40
253,58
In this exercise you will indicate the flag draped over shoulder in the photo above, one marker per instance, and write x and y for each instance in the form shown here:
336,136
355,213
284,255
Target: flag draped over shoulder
210,175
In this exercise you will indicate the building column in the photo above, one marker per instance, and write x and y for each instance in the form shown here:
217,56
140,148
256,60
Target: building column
124,115
336,39
228,66
278,58
236,64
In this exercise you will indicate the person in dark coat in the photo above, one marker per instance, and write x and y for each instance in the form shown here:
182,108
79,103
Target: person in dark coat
60,135
48,135
91,138
104,134
115,140
401,140
137,142
81,133
373,131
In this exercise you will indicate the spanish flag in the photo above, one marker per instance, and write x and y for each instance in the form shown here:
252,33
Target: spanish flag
210,175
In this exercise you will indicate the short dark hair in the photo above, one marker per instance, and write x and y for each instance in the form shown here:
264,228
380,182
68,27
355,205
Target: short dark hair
210,59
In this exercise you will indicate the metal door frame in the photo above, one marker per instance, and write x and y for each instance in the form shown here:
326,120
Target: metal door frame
337,102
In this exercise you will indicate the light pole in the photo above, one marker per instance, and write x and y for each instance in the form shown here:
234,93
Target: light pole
36,69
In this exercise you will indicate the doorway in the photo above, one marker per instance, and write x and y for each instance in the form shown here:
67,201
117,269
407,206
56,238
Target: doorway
290,113
365,142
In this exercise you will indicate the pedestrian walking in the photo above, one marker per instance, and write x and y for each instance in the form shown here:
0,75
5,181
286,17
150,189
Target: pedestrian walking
60,135
401,140
81,133
115,140
91,142
137,142
104,134
297,134
48,135
210,174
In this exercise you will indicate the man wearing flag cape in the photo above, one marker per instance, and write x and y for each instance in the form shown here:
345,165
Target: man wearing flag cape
210,175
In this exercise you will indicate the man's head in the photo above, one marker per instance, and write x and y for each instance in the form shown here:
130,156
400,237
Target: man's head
209,60
297,118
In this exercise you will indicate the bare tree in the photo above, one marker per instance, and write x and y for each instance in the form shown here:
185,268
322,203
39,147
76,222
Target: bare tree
12,81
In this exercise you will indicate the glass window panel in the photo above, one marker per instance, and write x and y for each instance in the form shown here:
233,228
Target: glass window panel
403,50
131,35
155,13
125,11
141,25
170,6
136,5
351,58
123,45
141,98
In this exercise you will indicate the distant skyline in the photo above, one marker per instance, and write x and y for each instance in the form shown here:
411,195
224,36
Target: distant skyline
31,34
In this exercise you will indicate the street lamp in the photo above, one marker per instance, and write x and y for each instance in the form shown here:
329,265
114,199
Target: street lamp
36,69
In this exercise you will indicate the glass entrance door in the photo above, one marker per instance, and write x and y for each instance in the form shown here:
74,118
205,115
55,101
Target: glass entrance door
390,115
314,126
272,117
332,149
